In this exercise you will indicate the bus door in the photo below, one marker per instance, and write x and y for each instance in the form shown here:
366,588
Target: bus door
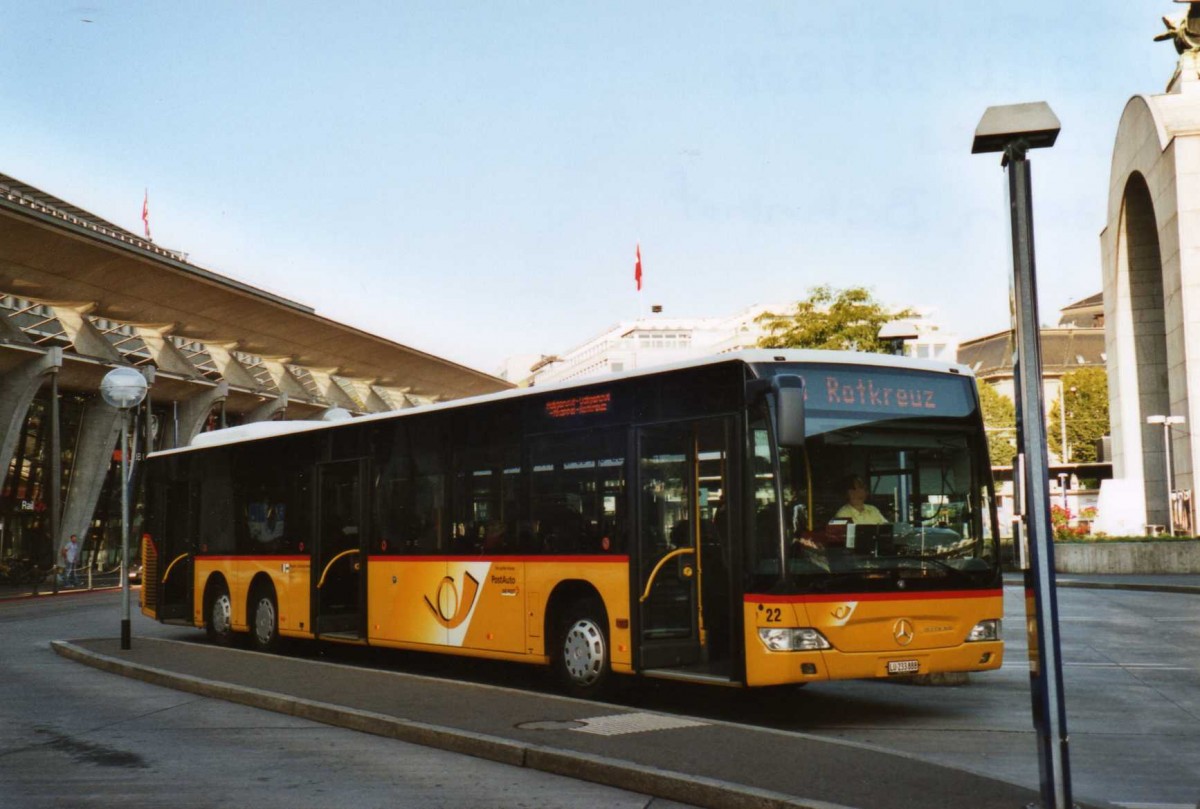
339,558
683,583
168,573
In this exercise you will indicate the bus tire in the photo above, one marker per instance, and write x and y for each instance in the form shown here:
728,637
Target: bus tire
582,661
265,620
218,616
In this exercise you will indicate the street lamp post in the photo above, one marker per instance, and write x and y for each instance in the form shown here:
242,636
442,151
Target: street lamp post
124,388
1166,422
1014,130
1062,421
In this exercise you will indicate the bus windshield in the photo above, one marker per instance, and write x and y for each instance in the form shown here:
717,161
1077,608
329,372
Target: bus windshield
872,502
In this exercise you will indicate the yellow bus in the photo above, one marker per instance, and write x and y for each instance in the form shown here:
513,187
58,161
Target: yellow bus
758,518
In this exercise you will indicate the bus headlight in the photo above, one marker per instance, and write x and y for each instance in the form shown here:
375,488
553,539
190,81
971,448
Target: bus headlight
792,640
985,630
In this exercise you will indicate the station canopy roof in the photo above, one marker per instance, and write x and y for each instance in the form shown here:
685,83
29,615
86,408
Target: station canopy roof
52,251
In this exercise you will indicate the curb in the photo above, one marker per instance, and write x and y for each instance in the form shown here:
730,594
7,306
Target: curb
75,591
1145,588
674,786
1091,584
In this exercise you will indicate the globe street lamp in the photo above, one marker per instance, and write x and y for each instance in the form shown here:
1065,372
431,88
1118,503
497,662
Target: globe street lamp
124,388
1166,422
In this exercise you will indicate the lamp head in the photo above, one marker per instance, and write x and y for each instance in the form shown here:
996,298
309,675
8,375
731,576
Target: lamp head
1034,124
123,388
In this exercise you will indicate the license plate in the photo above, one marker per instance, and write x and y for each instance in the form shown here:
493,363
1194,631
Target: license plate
903,666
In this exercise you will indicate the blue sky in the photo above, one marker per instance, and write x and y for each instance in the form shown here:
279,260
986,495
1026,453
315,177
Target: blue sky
470,179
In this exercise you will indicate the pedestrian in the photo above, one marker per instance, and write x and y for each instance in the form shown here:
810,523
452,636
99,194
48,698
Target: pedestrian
70,555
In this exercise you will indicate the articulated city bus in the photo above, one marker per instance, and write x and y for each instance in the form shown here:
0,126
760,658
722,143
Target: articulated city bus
696,522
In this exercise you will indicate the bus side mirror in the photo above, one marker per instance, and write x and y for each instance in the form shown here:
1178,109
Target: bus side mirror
789,409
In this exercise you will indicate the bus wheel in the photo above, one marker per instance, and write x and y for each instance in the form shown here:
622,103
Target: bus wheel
220,617
266,622
582,659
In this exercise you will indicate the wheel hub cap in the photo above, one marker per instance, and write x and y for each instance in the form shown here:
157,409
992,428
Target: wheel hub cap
583,652
220,613
264,623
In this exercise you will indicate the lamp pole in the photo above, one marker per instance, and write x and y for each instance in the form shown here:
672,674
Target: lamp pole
1166,422
1013,130
124,388
1062,420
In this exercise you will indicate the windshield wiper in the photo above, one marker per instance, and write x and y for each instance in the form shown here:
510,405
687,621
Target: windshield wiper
906,562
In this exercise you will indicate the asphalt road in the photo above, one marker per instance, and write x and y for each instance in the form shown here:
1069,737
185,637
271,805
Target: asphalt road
1132,678
72,736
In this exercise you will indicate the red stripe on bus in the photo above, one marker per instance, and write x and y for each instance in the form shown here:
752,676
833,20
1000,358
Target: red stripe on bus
825,598
486,558
208,558
404,558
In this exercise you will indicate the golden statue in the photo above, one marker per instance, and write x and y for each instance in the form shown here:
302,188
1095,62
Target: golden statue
1186,32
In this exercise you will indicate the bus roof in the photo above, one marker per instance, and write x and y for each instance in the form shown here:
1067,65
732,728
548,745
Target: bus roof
267,429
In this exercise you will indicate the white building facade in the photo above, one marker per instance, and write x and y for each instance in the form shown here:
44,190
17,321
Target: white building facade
647,341
659,339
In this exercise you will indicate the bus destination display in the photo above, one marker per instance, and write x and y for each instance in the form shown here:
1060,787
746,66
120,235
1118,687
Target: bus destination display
579,405
869,390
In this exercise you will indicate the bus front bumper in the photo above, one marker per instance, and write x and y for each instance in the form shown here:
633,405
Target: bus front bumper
764,667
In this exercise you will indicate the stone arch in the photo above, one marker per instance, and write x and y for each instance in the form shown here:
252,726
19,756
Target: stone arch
1151,268
1140,260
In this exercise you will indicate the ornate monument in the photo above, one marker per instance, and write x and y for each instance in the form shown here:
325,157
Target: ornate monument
1185,32
1151,269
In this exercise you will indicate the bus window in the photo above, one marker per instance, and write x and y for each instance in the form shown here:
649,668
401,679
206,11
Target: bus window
486,488
217,512
578,486
921,517
763,564
272,490
429,526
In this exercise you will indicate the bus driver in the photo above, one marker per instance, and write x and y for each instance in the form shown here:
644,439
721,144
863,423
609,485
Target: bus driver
857,510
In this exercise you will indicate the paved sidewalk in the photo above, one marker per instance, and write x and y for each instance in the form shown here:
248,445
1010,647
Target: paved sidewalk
102,581
701,762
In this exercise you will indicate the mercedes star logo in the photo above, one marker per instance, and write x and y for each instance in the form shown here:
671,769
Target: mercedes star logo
903,632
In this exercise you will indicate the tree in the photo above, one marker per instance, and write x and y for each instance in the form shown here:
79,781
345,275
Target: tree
846,319
1000,421
1087,414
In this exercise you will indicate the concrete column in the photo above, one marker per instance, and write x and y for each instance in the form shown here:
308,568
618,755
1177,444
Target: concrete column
93,457
87,340
166,356
17,389
193,413
267,410
9,333
283,379
1185,372
380,400
372,400
332,391
394,398
228,366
